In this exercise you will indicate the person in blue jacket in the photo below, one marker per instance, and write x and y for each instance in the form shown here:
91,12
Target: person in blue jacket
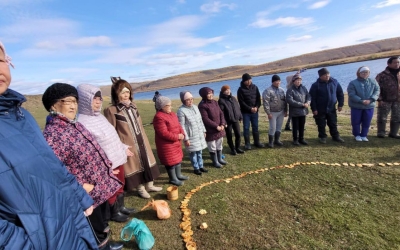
325,93
363,93
42,206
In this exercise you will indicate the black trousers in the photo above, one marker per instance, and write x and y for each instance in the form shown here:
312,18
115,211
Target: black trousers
298,124
329,119
99,221
236,129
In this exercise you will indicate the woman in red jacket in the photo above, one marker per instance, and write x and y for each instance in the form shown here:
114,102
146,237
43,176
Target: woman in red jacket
169,135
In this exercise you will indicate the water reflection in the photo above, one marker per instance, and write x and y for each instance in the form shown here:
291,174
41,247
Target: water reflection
344,73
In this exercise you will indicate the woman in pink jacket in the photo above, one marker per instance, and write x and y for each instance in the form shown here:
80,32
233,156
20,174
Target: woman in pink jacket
169,136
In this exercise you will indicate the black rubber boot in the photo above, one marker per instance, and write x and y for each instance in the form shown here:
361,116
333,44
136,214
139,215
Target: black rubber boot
215,160
116,214
179,175
277,138
239,151
247,145
270,141
256,137
219,156
394,129
381,129
172,176
123,209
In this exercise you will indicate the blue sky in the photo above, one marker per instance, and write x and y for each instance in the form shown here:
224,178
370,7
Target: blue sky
89,41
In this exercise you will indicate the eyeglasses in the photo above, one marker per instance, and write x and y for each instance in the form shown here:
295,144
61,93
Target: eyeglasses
69,102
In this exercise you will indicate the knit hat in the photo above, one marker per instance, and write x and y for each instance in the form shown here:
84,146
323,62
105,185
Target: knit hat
8,59
161,102
296,76
224,88
246,77
56,92
184,95
275,78
322,72
203,92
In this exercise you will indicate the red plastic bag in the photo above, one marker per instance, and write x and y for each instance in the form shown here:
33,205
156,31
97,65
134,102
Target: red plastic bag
162,208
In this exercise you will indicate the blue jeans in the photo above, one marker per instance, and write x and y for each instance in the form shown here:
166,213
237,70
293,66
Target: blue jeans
247,119
196,159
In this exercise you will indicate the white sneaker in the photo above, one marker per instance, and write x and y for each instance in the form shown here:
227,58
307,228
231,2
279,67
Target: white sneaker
358,138
364,138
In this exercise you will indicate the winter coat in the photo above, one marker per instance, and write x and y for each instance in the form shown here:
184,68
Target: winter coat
99,127
389,86
167,129
127,120
325,95
230,107
193,127
75,146
41,203
212,116
248,97
274,100
363,89
296,97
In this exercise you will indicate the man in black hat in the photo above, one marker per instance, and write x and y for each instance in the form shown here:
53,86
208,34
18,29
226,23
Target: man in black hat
156,95
325,93
250,101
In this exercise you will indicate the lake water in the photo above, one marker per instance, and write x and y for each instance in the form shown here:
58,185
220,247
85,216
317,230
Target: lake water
344,73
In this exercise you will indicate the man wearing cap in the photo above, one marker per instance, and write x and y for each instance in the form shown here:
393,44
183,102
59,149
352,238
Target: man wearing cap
274,102
250,101
325,93
389,98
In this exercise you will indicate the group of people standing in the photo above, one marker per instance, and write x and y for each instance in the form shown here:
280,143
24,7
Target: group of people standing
60,187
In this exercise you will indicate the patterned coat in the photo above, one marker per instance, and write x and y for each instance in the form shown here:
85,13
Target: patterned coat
142,166
192,125
169,147
389,86
82,155
99,127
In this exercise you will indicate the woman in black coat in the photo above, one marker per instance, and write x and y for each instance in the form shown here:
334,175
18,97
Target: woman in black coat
231,109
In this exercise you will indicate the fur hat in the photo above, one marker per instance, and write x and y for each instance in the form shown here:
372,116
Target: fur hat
184,95
296,76
246,77
323,71
116,89
275,78
203,92
161,102
56,92
8,59
224,88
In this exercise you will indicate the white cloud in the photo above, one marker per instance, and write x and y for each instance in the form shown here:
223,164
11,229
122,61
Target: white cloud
215,7
178,31
181,1
319,4
298,39
283,21
386,3
101,41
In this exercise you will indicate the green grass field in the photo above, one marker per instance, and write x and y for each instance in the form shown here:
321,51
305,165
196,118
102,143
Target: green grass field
305,207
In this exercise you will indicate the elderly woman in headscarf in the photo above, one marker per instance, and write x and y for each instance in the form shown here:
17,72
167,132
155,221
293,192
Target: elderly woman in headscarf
75,146
169,136
141,169
89,109
214,121
190,119
42,205
363,93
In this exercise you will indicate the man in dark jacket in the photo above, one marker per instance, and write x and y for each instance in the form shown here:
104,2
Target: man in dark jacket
389,99
250,101
325,93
